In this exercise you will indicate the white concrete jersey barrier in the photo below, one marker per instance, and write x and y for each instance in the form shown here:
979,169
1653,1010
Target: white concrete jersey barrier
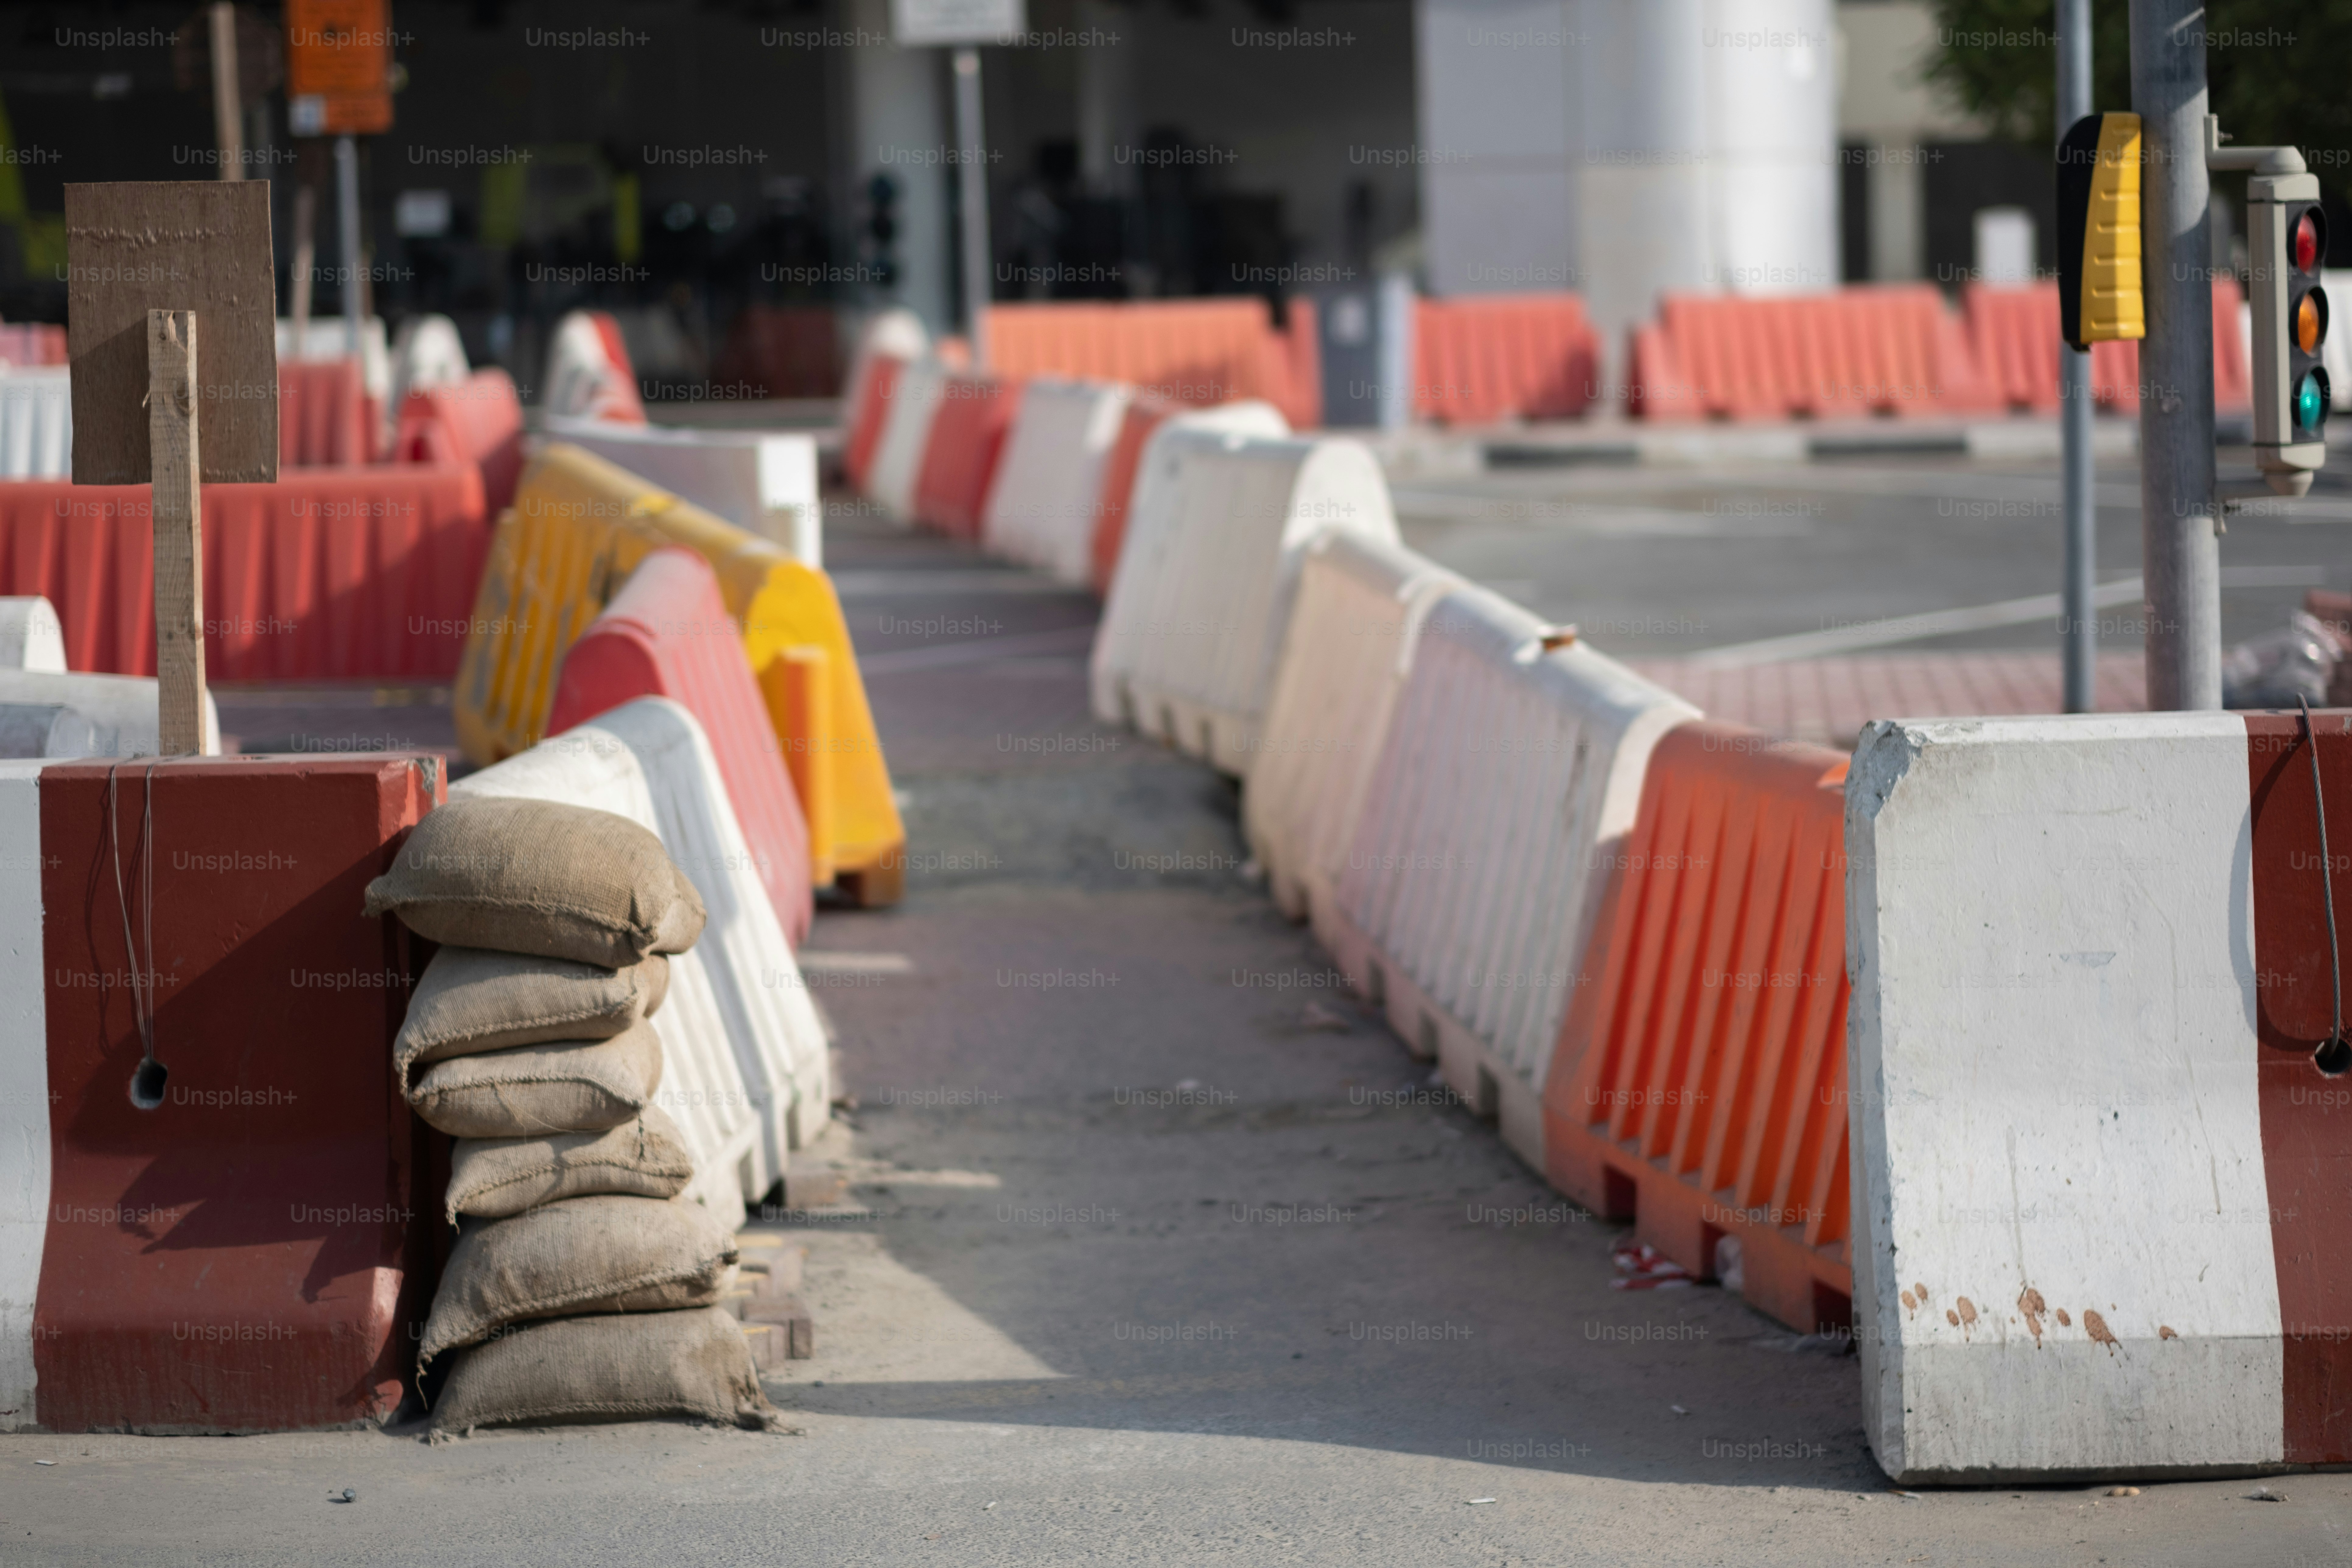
1360,605
23,1089
31,636
896,333
52,716
1508,778
898,465
1193,625
584,379
425,351
35,423
2097,1214
1046,498
764,482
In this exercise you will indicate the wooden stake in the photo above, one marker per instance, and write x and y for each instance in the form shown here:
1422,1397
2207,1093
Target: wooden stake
227,118
179,531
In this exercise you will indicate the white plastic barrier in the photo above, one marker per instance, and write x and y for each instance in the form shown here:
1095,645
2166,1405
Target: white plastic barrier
1360,605
896,332
1508,778
897,465
24,1091
425,351
1046,498
1193,625
44,714
764,482
324,340
586,378
31,636
35,423
2097,1214
702,1088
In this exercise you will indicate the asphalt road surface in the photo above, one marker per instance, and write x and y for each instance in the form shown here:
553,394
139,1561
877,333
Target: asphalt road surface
1160,1250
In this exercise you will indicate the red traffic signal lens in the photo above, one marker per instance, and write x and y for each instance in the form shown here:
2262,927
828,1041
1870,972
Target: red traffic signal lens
2311,321
2310,240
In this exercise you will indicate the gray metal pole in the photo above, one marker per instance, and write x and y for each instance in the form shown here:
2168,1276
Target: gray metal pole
972,195
2179,538
2078,623
347,213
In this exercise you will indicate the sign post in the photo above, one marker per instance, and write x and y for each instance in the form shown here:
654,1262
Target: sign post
144,262
963,24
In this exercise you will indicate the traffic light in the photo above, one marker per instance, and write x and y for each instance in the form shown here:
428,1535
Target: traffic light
2099,296
2287,242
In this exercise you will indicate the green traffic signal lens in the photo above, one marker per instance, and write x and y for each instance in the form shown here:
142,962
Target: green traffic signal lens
2311,400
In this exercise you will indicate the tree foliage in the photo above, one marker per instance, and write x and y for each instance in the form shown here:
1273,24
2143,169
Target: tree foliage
2278,70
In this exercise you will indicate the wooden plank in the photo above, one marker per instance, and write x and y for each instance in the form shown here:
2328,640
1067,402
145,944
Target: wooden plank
178,245
175,412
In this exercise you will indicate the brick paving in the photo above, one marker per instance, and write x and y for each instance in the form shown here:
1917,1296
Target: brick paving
1830,699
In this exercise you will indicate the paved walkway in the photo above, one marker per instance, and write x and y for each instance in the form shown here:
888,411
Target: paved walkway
1158,1250
1830,699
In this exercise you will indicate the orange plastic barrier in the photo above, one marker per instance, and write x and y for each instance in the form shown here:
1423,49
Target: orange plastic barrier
330,573
1186,350
1144,414
478,421
783,350
325,418
1303,350
1486,358
1700,1081
2014,332
869,418
1878,349
967,437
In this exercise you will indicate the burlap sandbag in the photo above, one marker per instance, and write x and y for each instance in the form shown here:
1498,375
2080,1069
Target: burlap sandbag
471,999
490,1178
635,1367
528,1091
603,1253
541,877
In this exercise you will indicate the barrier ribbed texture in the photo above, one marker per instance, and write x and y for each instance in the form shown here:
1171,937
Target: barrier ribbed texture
876,395
35,424
1193,626
1481,359
325,419
1361,605
1507,775
897,464
327,573
478,421
1198,351
2015,334
1046,498
668,634
1700,1076
1145,414
1887,348
579,526
959,458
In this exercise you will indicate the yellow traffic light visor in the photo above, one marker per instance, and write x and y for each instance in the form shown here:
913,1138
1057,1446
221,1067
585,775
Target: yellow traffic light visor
2099,289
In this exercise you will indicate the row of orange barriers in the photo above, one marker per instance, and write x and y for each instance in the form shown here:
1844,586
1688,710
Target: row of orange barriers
2014,334
1192,352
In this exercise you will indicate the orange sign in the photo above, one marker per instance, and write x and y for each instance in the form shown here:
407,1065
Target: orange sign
338,67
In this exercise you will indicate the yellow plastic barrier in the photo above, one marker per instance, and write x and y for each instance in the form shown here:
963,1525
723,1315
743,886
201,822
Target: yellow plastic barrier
578,528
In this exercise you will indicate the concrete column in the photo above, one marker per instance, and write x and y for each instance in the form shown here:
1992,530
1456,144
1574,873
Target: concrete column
1650,224
1499,84
1106,93
897,126
1772,144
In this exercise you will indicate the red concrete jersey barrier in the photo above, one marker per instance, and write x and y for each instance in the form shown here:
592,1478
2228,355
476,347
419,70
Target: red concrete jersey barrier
1699,1087
226,1241
477,421
1483,359
1144,415
967,436
329,574
668,634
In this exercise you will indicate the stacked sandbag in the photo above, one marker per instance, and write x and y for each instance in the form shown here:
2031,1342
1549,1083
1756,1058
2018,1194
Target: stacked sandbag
583,1287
